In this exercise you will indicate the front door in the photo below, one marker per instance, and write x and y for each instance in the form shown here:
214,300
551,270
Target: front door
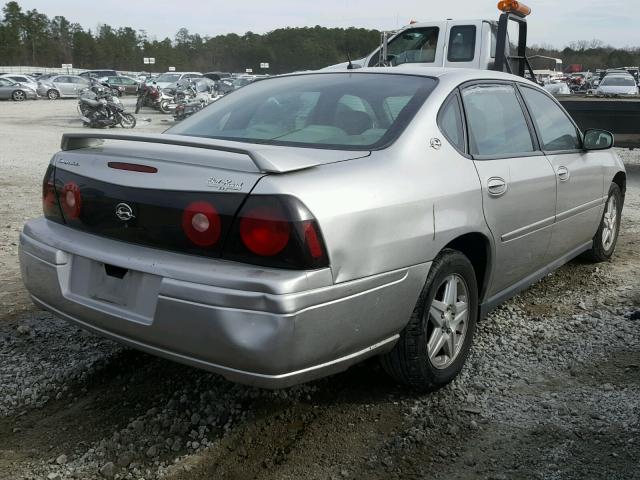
518,182
579,174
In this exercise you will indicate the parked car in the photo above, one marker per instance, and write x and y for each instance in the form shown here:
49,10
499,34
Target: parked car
99,74
125,85
617,84
61,86
216,76
15,91
168,78
25,80
319,219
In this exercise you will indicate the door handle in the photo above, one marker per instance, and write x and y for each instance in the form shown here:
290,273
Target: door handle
496,186
563,173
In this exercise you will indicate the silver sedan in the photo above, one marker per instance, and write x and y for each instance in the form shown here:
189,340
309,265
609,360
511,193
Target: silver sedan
310,221
15,91
61,86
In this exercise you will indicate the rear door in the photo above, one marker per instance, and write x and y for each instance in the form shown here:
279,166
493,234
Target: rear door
518,182
65,85
579,174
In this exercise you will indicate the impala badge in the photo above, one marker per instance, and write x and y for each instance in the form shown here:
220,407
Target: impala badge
124,212
224,184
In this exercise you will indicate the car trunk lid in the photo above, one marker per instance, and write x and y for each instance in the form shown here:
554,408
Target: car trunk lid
144,189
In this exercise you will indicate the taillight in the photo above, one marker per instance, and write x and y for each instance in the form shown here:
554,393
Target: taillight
50,206
201,224
264,230
71,201
276,231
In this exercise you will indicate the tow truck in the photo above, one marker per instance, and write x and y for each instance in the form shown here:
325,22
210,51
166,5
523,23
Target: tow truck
497,45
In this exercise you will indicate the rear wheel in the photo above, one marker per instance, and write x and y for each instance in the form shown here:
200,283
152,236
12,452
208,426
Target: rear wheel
18,96
127,120
435,343
139,103
605,239
52,94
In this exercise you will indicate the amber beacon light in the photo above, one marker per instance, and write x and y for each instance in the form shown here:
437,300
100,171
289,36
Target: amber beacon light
512,6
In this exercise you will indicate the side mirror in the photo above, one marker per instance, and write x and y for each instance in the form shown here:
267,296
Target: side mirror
595,139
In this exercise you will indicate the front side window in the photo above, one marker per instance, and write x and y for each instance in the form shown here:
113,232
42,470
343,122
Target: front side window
450,122
417,45
495,121
462,43
5,83
556,131
336,110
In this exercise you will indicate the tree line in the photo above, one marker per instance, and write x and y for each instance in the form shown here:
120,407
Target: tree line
29,37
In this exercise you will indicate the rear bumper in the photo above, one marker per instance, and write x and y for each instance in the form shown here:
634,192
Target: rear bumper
263,327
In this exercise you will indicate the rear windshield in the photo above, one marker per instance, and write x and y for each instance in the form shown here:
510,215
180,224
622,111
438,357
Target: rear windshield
336,110
618,82
168,77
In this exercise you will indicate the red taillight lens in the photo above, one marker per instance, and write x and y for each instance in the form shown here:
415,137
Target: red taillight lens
264,230
71,200
312,240
201,224
50,206
276,231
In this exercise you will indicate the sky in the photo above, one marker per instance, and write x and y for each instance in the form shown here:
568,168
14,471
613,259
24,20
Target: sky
552,22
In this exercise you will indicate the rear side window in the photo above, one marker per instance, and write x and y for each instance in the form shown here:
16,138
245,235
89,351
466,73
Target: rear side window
495,121
462,43
450,122
556,131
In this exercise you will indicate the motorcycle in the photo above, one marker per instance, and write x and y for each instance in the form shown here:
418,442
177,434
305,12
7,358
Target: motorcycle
100,109
149,96
189,100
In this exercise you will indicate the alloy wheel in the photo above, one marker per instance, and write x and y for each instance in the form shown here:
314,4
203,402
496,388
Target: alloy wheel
448,318
610,220
18,95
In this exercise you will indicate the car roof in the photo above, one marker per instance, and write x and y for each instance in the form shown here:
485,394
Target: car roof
448,75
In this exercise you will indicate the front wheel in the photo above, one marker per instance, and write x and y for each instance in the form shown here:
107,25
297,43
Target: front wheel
127,120
52,94
164,106
605,239
435,343
139,103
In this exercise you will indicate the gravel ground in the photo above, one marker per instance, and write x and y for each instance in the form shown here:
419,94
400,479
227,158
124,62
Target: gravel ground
551,389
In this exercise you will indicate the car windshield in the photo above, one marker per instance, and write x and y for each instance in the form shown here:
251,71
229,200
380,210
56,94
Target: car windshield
337,110
168,77
618,82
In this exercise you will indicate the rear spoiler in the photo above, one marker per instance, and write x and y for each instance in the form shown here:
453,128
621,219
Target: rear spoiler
76,141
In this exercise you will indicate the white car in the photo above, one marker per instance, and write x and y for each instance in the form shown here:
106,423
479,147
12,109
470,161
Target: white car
617,84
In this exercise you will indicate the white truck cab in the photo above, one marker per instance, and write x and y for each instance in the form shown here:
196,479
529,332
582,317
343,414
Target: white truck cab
448,43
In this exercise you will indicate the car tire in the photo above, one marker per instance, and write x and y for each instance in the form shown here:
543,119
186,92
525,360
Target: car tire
606,237
18,96
53,94
420,359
